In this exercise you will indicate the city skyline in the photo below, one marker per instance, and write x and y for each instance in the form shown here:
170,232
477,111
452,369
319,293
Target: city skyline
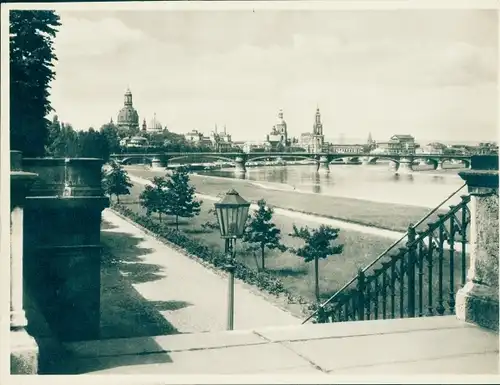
368,71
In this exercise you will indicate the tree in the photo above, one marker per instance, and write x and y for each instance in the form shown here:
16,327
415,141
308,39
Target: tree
31,62
110,132
318,245
117,181
261,232
180,200
92,144
153,197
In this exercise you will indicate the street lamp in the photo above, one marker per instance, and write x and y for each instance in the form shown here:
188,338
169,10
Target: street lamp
232,214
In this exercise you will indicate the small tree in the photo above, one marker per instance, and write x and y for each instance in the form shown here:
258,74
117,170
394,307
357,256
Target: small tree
318,244
117,181
179,199
153,197
211,224
261,232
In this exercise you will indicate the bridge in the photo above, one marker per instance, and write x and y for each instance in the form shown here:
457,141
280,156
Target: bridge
400,162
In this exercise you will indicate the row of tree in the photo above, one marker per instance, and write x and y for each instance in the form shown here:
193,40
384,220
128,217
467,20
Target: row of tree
174,196
65,141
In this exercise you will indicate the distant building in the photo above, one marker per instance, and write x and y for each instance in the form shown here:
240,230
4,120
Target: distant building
278,138
221,142
154,125
432,148
128,118
258,146
314,141
198,139
134,142
398,144
348,149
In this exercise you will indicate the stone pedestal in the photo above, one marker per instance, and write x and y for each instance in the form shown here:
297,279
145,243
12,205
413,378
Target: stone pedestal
23,348
477,301
62,244
323,165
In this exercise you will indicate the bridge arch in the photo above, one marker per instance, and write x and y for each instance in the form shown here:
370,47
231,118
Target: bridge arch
130,160
373,159
276,156
214,157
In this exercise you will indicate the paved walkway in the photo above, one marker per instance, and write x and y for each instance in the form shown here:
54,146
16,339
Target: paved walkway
166,276
430,345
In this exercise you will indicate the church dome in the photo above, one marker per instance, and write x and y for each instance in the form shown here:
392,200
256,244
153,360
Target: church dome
154,124
128,115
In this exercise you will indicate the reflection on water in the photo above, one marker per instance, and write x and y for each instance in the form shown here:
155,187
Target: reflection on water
371,182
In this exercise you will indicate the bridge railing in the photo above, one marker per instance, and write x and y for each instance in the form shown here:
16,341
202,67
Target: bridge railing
417,275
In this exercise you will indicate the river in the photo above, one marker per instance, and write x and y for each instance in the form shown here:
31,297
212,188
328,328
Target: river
367,182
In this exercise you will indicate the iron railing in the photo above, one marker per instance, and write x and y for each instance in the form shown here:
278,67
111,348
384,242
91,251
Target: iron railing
413,278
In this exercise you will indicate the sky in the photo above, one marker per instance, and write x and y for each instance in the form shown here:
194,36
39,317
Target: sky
429,73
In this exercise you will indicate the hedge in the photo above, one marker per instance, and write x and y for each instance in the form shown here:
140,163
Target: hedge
261,279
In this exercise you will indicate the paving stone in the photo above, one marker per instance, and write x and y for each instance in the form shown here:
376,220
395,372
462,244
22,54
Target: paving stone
178,342
357,328
236,360
484,363
350,352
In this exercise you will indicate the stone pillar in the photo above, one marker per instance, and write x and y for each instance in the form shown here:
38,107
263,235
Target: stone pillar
323,165
405,166
365,161
24,350
240,165
477,301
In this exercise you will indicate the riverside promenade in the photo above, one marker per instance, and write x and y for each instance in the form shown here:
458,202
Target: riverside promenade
196,294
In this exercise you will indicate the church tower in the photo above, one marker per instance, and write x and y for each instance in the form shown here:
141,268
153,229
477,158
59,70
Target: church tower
318,126
318,137
282,129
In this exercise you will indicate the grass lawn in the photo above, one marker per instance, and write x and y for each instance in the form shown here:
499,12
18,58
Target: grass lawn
297,276
383,215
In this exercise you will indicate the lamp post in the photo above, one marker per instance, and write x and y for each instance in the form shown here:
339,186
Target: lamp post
232,214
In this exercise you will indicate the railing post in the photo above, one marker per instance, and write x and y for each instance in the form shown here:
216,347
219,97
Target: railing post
412,259
361,283
477,301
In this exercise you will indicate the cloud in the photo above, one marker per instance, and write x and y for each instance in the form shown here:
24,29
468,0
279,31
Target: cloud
84,38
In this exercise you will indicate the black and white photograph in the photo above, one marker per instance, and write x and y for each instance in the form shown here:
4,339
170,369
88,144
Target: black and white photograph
270,190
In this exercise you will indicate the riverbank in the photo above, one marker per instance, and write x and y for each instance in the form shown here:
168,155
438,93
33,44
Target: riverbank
387,216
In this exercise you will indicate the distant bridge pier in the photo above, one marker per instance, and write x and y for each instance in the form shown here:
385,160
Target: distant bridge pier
438,165
405,166
323,165
466,163
365,161
156,163
240,168
394,166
